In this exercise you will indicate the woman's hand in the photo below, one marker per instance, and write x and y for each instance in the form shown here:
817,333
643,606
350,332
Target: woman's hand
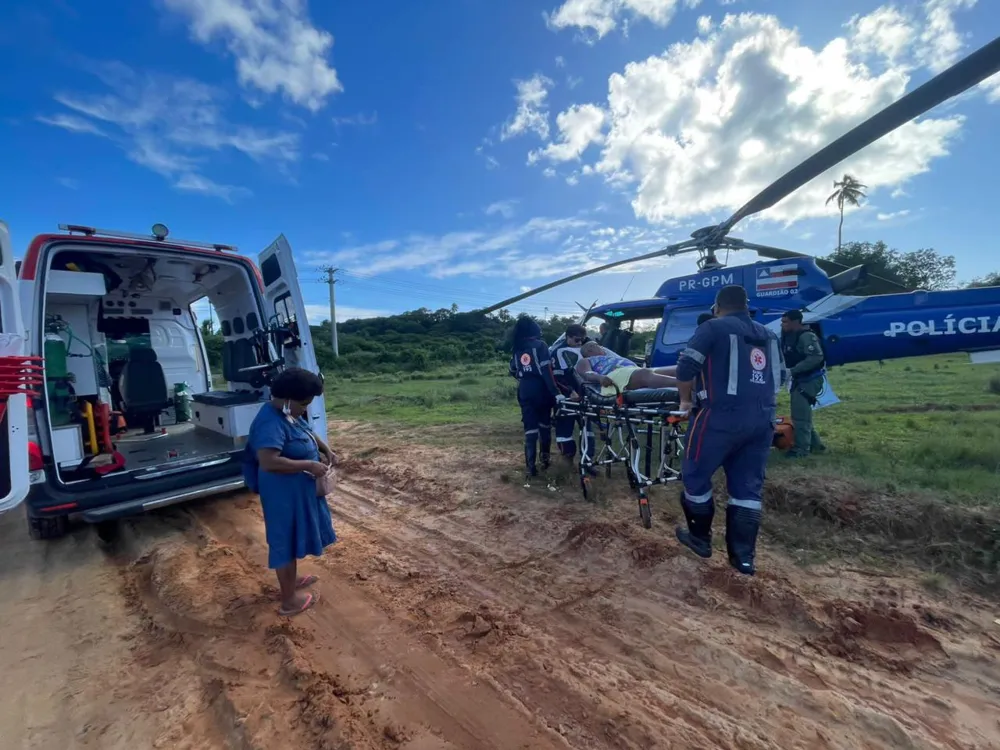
318,469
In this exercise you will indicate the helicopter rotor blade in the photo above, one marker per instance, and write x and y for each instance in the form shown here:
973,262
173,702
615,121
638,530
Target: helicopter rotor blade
668,251
960,77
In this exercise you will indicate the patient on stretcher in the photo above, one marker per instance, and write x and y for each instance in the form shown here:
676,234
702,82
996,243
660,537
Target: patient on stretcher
604,368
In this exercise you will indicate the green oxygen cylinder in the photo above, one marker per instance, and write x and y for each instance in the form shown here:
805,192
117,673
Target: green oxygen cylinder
182,402
56,367
57,380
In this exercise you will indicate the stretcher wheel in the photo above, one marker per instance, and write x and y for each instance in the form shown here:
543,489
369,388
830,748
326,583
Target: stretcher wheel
644,512
632,481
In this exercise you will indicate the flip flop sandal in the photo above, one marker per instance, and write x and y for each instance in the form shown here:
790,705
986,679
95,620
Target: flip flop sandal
306,581
310,600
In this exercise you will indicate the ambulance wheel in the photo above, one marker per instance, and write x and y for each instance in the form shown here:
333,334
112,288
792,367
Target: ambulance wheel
644,512
51,527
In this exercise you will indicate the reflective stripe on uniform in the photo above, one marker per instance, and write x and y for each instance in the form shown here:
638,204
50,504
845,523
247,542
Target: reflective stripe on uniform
749,504
698,499
531,432
734,365
693,354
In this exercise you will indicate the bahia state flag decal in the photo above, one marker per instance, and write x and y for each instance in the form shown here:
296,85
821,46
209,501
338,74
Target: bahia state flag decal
781,279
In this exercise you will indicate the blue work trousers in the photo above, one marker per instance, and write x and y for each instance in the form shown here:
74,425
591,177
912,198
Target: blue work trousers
739,442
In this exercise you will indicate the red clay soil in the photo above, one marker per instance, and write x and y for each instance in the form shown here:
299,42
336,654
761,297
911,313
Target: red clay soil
462,611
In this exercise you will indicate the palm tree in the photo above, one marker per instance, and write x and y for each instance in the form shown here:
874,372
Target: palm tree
847,192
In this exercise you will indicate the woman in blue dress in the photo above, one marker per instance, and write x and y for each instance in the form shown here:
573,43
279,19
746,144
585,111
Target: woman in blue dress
285,458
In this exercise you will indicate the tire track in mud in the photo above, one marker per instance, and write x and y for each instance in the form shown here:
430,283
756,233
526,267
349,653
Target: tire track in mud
341,675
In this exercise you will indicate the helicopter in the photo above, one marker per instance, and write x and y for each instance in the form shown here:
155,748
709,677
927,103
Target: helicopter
891,324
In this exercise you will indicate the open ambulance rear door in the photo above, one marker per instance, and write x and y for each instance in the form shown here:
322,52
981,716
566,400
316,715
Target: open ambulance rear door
14,480
283,300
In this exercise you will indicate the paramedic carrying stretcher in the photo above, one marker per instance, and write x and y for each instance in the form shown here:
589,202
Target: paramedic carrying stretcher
733,365
565,355
536,391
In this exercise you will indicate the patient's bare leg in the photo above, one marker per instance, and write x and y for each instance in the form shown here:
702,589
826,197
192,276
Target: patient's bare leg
671,371
650,379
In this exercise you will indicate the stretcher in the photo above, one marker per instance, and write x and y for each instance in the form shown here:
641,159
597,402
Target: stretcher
626,424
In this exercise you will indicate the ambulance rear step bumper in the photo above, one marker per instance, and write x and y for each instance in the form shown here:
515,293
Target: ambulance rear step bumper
145,504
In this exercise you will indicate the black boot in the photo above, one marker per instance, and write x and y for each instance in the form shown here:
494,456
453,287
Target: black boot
697,537
546,461
530,452
742,525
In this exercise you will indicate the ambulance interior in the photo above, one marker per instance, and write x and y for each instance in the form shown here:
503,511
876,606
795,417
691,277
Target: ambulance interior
128,379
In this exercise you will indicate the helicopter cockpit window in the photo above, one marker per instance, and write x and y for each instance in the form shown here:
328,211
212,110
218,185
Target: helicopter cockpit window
681,325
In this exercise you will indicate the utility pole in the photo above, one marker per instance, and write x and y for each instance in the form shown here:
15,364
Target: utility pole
330,271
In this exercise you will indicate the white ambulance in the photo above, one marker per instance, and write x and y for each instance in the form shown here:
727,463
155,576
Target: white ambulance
125,414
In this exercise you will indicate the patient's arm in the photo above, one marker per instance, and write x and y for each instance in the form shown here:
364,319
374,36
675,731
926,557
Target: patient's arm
587,374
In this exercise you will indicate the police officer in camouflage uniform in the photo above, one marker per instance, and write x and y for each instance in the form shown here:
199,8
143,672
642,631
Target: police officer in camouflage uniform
806,364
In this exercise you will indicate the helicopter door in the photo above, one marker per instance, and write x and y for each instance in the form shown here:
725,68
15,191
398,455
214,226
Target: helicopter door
284,305
679,326
14,477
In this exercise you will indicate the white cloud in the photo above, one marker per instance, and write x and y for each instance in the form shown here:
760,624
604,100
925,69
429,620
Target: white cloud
195,183
579,126
68,182
276,46
360,119
319,156
885,31
701,128
504,208
941,43
560,61
601,16
892,215
532,110
540,247
549,172
704,24
318,313
73,124
171,125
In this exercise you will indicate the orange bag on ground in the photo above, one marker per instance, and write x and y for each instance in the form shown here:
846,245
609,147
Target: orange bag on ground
784,434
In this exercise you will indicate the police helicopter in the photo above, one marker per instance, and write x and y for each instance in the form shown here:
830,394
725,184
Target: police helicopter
853,328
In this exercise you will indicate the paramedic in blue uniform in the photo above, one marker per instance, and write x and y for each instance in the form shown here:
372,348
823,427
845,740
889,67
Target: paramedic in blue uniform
565,354
733,365
536,390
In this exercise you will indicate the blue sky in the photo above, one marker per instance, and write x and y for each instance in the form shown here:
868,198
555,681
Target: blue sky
461,150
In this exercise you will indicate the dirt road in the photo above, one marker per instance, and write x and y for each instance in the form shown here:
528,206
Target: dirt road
459,611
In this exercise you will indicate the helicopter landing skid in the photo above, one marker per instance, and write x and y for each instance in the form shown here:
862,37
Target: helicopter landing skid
620,422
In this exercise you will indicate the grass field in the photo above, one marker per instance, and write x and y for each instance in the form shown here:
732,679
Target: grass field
930,424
